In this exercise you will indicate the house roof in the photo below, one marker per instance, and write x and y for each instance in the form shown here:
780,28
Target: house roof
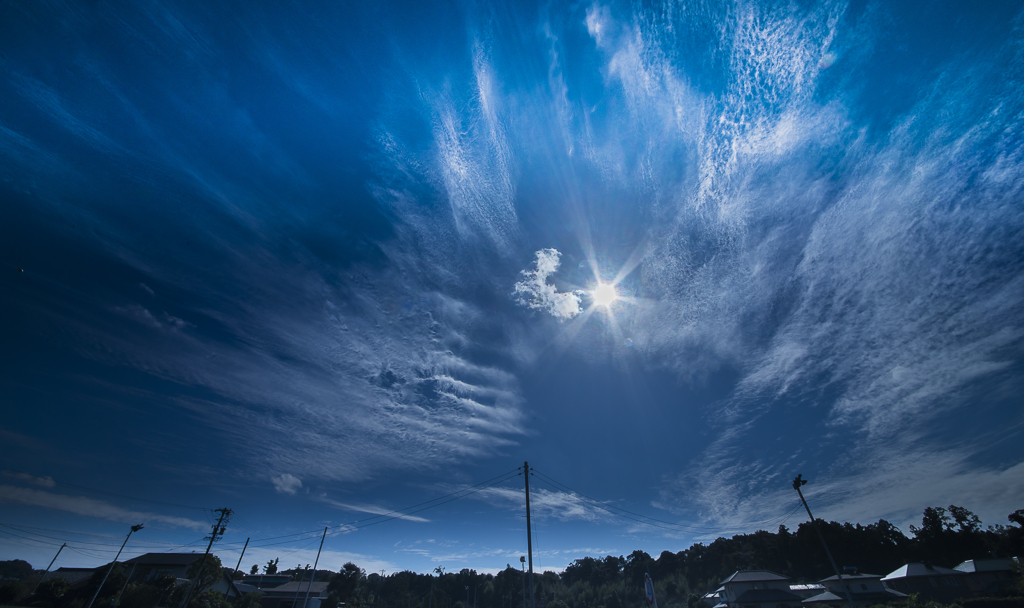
296,587
827,596
987,565
71,575
875,596
164,559
758,596
851,577
919,569
749,576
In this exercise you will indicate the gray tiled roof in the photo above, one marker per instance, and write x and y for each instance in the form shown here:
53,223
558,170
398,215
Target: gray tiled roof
987,565
919,569
749,576
759,596
295,587
164,559
875,596
851,577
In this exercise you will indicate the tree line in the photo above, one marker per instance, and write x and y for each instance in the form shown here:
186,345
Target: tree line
946,537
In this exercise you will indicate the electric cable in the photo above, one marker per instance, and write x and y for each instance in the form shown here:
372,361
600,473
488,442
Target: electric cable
463,492
627,514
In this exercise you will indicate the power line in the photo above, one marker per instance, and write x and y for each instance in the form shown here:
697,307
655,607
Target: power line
401,513
695,528
26,530
506,478
391,515
637,517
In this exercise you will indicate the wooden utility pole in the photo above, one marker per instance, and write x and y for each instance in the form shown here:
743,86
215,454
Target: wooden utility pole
218,531
315,562
47,569
246,546
239,564
529,537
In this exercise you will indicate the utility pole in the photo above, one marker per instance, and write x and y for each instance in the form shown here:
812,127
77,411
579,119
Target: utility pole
117,600
246,546
529,537
135,528
298,586
218,531
47,569
239,564
315,562
796,486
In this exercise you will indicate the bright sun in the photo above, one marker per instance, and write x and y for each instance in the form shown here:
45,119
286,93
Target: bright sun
604,294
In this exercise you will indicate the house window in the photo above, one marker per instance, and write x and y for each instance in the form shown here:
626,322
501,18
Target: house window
931,579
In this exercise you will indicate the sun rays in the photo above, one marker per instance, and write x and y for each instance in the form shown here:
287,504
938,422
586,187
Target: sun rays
604,294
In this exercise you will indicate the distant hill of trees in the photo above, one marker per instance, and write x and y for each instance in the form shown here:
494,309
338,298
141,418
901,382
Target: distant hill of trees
946,537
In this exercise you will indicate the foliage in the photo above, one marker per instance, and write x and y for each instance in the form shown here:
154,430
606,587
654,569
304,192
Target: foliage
205,571
249,600
10,593
113,584
255,569
950,535
344,583
209,599
146,594
49,592
15,570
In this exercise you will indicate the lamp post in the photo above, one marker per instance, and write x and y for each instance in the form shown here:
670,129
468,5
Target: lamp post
135,528
800,481
522,562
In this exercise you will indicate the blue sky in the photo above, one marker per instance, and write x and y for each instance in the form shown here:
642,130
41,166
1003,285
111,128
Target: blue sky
317,263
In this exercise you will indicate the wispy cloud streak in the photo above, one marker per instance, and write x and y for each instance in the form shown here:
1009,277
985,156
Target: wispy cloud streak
90,507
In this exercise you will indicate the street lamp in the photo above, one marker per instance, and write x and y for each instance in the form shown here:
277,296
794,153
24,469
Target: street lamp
135,528
522,562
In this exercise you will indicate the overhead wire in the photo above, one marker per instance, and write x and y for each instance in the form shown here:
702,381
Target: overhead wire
390,515
637,517
310,536
27,530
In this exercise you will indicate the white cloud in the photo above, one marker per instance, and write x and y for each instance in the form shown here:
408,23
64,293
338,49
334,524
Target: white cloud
869,298
371,509
286,483
46,482
545,503
535,292
90,507
599,23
